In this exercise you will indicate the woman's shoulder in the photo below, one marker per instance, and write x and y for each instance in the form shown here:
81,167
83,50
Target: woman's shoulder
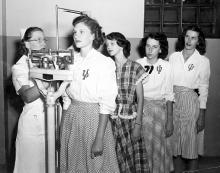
22,59
102,60
174,54
134,63
164,64
22,62
141,60
205,59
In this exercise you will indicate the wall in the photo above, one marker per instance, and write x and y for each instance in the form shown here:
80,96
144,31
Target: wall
125,16
2,117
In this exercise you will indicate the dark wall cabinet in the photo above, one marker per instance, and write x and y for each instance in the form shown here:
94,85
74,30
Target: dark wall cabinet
172,16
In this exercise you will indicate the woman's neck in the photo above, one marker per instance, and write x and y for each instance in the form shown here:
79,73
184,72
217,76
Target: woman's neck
120,59
85,50
152,61
187,53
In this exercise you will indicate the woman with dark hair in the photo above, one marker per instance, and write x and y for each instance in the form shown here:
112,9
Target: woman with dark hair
30,140
87,142
127,118
158,102
191,71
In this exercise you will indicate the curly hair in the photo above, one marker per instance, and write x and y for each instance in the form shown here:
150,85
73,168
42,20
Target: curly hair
121,41
159,36
201,46
95,28
22,50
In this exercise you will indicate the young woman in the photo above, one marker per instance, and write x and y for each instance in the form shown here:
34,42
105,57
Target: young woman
191,71
158,102
30,141
87,143
127,117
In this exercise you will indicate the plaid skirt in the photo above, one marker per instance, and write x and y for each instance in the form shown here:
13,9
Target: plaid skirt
186,141
132,156
78,131
157,145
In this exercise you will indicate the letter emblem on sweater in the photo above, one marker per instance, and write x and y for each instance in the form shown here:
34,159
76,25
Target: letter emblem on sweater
159,69
149,68
85,74
190,67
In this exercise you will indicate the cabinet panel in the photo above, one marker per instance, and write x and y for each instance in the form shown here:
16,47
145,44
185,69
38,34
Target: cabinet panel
172,16
189,15
152,14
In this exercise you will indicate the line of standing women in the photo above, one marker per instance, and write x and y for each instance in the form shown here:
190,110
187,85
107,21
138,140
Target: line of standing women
137,99
175,129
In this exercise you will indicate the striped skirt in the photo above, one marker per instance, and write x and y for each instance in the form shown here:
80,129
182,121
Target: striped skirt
132,156
185,140
78,131
157,145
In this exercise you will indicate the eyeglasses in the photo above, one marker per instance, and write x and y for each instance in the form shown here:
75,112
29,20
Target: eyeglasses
39,40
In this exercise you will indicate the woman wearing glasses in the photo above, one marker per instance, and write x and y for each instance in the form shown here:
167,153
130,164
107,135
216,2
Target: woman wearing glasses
30,136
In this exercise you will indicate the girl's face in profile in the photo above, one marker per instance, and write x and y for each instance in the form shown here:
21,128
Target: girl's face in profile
82,35
37,41
112,47
191,40
152,48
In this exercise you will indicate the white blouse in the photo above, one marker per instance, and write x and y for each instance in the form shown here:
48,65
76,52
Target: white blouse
159,83
94,80
194,73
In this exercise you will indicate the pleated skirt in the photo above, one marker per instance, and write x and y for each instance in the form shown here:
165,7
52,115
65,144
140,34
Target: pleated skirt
78,131
157,145
185,140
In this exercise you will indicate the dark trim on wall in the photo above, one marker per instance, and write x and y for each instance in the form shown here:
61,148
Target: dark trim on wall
4,53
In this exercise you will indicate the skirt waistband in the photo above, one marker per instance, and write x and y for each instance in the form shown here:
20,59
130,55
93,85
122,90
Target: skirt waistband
73,101
182,89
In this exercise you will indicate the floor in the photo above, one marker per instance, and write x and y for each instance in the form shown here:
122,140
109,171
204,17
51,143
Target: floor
206,165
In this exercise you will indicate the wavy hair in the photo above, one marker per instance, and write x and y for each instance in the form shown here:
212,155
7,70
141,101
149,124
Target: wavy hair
94,27
121,41
159,36
201,46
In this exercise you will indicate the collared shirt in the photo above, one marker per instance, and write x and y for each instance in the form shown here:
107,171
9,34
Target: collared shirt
194,73
94,80
127,79
159,85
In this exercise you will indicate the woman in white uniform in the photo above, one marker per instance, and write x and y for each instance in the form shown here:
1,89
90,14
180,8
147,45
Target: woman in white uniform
30,146
87,143
158,102
191,71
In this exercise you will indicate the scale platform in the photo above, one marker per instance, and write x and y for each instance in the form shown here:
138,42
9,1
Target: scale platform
51,74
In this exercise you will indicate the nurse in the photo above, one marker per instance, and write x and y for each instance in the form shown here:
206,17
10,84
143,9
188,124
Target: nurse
30,142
